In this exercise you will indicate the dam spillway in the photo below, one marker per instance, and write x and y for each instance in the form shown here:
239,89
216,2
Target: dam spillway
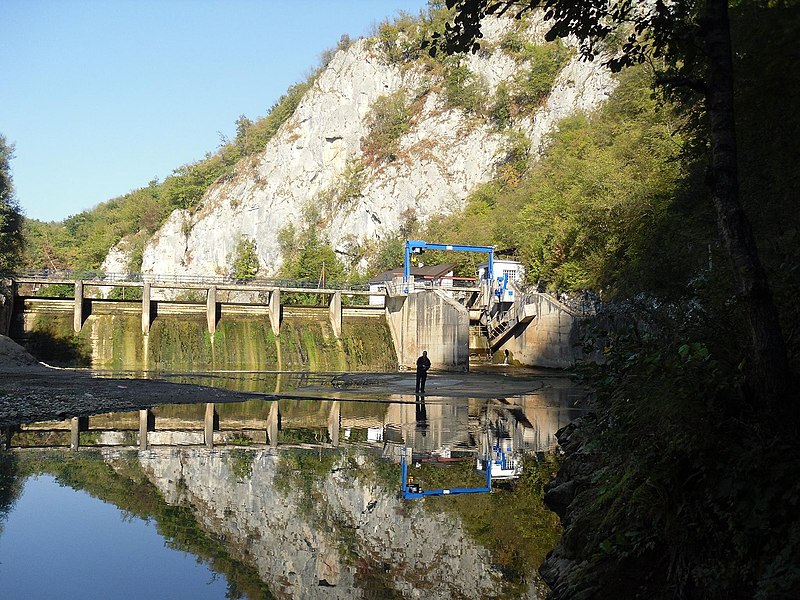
181,341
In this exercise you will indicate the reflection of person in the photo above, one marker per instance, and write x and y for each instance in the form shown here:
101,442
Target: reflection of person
421,414
423,364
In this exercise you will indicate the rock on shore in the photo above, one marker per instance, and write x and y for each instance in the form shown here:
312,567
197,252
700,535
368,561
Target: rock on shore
14,355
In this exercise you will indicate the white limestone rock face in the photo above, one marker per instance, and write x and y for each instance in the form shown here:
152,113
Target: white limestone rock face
300,162
444,156
116,260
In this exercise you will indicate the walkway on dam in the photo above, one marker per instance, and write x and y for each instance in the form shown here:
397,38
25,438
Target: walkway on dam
171,281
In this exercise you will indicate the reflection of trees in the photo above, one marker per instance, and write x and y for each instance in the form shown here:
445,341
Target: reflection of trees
10,485
123,483
511,522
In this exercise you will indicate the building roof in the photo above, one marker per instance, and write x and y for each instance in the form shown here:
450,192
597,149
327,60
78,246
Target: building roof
426,272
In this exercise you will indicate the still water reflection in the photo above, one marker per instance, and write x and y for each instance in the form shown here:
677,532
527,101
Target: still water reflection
65,543
280,499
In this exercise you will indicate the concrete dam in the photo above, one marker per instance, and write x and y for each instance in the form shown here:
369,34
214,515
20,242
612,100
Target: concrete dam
215,324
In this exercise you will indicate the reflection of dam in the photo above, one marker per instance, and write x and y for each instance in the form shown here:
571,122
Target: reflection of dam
255,423
308,524
424,424
529,421
313,520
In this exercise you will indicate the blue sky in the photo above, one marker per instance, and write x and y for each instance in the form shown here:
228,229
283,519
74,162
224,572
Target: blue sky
101,96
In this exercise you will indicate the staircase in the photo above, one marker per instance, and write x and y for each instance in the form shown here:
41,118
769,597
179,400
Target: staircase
478,341
503,323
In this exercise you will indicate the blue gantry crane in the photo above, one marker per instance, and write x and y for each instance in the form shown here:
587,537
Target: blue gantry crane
412,491
418,247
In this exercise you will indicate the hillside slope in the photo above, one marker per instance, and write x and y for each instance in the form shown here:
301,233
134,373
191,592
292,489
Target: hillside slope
328,170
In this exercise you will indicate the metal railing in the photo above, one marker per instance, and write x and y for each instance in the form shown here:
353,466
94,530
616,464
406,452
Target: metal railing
398,287
103,278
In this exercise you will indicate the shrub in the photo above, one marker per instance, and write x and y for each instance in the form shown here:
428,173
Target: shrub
500,111
387,121
532,85
464,89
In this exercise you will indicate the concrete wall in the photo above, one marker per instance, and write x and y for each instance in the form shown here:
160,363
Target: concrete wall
551,339
429,320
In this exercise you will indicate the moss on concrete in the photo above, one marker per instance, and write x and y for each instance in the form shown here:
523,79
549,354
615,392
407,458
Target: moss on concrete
183,344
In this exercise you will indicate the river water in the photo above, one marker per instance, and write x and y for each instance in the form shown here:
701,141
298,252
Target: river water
289,498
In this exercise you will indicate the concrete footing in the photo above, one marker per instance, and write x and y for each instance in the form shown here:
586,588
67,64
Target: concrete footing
335,313
146,309
275,311
429,320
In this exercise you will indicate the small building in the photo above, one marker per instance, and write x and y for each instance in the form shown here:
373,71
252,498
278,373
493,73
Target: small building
427,276
506,271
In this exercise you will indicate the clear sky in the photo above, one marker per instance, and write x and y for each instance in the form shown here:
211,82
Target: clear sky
101,96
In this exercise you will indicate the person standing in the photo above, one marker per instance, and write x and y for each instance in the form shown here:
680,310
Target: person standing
423,364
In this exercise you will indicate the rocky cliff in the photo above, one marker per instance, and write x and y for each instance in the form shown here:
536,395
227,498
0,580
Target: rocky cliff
316,163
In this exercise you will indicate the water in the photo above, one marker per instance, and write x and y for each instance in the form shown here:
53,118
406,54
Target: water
61,543
298,498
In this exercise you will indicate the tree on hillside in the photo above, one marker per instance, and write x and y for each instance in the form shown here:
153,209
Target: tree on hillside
244,264
10,213
691,38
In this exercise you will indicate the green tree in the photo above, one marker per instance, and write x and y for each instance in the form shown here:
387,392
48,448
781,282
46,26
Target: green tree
10,213
318,261
692,40
390,254
244,263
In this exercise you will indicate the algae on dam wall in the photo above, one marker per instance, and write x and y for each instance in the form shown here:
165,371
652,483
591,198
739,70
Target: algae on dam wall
116,342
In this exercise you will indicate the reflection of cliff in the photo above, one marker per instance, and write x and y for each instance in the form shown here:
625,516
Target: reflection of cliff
332,534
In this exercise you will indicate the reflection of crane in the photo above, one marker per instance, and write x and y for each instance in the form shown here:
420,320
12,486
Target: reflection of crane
411,490
498,463
502,463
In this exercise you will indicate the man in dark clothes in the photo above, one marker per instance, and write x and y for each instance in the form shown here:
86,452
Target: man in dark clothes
423,364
